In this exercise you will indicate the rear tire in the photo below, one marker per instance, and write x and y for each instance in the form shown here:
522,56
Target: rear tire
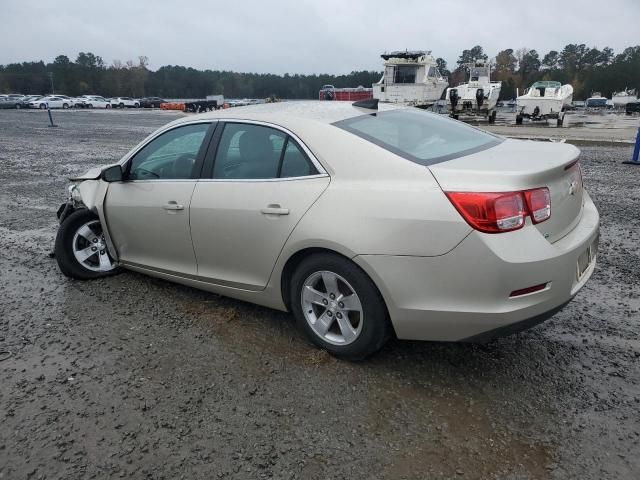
65,106
107,106
81,235
518,119
359,326
43,106
121,105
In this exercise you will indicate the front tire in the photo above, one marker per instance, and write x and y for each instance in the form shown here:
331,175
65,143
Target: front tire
80,248
338,307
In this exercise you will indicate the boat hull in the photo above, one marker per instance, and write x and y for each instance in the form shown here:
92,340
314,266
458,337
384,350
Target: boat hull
468,102
412,94
622,100
529,105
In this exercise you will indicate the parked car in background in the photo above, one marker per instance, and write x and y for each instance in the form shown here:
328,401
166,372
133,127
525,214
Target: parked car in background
28,98
122,102
67,99
151,102
52,101
96,101
10,102
363,220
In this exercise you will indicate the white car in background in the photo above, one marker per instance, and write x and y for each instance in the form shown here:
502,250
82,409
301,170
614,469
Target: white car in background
122,102
69,100
96,102
53,101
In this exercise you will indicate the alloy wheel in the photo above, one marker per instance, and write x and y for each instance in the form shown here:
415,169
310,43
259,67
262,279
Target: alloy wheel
90,248
332,308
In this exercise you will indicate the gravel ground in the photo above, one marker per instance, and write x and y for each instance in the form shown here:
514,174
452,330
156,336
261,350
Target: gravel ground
133,377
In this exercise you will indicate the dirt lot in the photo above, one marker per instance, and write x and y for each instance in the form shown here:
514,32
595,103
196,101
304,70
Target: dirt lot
138,378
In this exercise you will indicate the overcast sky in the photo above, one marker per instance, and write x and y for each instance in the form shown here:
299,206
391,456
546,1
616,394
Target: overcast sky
301,36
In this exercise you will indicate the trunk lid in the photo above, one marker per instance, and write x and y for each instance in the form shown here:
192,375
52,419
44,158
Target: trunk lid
517,165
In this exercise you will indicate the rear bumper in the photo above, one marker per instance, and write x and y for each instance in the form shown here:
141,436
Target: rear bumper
464,294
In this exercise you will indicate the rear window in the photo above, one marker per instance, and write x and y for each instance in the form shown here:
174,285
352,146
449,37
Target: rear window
419,136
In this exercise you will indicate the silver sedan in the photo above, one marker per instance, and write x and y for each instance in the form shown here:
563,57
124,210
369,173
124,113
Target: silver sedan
363,220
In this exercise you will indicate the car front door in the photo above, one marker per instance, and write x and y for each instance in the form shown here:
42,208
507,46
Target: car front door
258,185
148,212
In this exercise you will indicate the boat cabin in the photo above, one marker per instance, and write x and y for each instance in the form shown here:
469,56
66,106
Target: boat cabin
543,89
479,72
410,77
409,67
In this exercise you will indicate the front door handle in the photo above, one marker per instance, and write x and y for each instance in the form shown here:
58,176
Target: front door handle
172,205
275,209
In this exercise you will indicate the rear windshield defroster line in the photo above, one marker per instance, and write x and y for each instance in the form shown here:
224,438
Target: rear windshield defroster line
421,137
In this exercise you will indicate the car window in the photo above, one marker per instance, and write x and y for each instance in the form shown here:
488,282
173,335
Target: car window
295,163
248,151
419,136
172,155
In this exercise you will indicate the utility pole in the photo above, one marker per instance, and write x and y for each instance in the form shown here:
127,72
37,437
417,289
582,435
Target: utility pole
51,78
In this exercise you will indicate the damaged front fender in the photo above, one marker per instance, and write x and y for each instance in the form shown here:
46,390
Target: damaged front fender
90,193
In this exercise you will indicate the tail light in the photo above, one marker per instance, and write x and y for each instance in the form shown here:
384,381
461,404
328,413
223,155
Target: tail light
496,212
539,204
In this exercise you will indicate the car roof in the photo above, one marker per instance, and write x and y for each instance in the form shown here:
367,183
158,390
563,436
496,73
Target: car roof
289,114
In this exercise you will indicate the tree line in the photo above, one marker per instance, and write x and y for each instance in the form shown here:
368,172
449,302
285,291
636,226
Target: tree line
88,74
588,69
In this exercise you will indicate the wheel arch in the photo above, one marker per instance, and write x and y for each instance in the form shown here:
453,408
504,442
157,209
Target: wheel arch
296,258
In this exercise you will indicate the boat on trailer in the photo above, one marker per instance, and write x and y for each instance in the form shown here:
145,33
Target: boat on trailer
620,99
410,78
544,100
478,97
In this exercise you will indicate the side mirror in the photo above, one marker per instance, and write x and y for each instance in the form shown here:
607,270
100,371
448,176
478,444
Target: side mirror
112,174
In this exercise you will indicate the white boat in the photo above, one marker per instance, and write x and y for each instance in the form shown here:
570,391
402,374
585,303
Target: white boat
478,96
544,100
620,99
410,78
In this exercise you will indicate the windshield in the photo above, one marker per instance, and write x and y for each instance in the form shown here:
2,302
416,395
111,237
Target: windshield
419,136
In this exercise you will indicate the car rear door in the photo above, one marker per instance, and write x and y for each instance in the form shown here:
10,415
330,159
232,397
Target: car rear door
54,102
256,186
148,213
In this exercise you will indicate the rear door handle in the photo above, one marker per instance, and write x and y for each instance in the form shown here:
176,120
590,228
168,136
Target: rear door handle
275,210
173,206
